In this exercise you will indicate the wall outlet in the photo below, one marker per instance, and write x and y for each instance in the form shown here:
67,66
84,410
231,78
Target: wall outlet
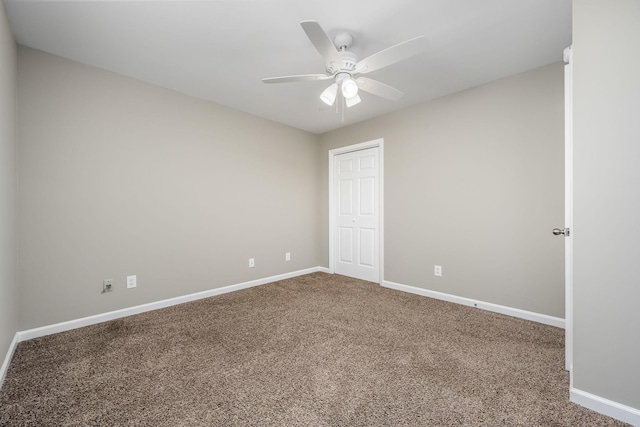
437,270
287,256
107,285
252,262
132,282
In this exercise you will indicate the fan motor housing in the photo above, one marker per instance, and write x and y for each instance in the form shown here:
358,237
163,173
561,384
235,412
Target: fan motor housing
343,41
349,61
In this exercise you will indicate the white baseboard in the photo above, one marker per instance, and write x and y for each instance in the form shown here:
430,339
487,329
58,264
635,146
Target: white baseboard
604,406
509,311
7,359
104,317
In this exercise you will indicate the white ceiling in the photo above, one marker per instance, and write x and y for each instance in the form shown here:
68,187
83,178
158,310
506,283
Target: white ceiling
220,50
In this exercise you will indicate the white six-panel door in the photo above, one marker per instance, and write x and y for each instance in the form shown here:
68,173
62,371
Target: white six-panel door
357,214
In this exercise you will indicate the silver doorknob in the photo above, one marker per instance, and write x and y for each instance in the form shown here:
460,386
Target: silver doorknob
559,231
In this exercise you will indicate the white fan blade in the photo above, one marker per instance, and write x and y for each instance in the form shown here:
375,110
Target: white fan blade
298,78
321,41
392,54
378,88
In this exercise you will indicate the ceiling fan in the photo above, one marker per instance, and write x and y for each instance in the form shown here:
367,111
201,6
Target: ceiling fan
344,68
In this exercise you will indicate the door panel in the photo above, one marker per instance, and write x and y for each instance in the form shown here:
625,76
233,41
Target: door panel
346,165
367,253
367,196
345,245
345,197
367,162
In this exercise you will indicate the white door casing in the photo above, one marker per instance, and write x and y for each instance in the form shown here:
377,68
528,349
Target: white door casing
355,211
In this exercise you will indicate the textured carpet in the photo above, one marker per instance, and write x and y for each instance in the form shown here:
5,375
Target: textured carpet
317,350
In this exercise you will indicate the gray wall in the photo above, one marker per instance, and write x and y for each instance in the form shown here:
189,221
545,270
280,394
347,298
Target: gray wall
606,39
118,177
474,182
8,249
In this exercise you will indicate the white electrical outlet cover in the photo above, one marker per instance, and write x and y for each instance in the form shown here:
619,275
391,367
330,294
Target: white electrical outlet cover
107,285
131,282
437,270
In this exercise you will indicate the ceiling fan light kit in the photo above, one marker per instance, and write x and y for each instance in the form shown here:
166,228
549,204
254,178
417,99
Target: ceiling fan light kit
328,96
343,66
348,86
354,100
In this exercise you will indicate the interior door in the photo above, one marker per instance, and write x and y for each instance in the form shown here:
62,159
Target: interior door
357,214
568,208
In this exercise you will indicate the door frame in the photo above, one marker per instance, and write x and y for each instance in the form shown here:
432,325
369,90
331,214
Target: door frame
332,221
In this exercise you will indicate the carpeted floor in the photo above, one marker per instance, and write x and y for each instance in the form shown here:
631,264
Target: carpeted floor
317,350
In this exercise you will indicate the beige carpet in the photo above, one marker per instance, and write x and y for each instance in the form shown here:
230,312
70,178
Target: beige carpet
317,350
